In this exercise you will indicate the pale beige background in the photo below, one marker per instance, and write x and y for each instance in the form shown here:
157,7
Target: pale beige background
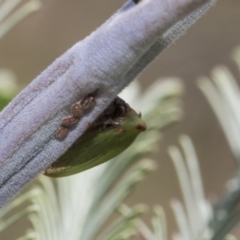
38,40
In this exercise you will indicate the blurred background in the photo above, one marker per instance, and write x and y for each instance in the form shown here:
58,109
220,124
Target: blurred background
43,36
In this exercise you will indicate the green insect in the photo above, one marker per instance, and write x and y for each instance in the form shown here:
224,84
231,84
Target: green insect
113,131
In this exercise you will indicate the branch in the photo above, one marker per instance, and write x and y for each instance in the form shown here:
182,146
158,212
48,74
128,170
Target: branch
104,62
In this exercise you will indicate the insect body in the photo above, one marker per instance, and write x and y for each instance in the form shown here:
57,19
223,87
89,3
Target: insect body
77,110
113,131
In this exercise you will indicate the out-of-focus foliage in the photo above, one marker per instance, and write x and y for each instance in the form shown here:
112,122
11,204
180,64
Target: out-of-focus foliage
193,222
197,218
8,87
13,11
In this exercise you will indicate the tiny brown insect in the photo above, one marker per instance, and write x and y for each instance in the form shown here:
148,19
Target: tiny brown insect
88,102
69,121
76,110
61,133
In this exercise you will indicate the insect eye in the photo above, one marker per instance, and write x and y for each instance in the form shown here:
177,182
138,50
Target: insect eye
110,110
120,111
